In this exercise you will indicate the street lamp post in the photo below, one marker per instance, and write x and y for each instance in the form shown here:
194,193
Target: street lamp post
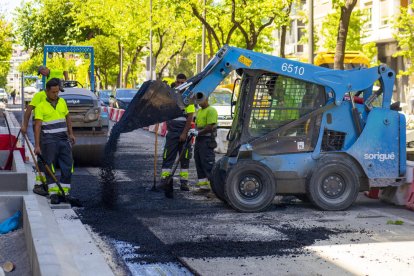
203,39
150,61
310,31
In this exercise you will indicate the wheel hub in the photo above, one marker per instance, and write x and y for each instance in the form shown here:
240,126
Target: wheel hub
333,186
249,186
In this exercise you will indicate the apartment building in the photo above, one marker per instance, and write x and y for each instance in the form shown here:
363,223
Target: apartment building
379,29
14,80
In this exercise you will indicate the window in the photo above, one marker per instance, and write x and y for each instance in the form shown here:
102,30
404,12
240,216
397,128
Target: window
279,100
368,8
385,13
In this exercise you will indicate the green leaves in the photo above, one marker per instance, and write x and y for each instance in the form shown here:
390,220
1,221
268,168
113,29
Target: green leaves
404,23
6,39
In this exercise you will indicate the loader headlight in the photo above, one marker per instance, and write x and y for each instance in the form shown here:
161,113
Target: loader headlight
92,115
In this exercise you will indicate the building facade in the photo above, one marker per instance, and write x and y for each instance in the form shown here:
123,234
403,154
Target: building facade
379,29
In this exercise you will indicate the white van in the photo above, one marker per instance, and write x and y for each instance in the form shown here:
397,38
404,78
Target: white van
220,99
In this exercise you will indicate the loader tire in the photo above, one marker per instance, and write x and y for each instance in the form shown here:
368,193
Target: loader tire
218,180
250,186
334,184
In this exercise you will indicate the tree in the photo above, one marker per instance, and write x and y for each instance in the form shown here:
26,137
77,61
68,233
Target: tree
106,57
6,39
242,23
346,7
405,37
355,33
41,22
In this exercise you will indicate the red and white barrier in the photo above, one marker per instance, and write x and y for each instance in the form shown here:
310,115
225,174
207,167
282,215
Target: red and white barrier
114,114
162,128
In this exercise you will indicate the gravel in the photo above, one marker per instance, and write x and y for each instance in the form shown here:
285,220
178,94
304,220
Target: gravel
13,249
160,230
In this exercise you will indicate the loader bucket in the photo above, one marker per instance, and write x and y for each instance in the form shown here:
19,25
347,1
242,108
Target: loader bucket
154,102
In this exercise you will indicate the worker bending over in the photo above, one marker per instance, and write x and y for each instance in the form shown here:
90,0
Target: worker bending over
206,130
54,138
177,134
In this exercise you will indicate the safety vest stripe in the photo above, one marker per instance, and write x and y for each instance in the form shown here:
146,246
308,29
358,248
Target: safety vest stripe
54,122
65,185
57,130
51,185
54,126
180,119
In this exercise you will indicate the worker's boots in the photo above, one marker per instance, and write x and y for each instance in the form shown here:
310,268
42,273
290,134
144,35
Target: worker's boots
40,190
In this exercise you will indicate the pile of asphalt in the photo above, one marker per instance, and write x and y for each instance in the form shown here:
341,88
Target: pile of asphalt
129,218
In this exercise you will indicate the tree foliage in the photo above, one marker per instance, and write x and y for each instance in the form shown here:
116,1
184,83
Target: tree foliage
329,30
6,39
405,37
119,30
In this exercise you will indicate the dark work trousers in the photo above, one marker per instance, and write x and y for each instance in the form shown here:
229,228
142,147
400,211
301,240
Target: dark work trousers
172,150
204,157
58,153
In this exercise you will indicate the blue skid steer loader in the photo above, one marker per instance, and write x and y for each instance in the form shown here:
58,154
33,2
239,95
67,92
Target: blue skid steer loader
298,129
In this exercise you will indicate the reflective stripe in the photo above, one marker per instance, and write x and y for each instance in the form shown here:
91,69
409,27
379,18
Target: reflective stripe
54,126
186,154
165,153
53,168
73,169
180,119
54,122
184,175
65,185
52,185
63,129
203,182
165,173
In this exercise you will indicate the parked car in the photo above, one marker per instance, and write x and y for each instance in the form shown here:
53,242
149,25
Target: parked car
220,99
3,95
123,96
29,92
104,95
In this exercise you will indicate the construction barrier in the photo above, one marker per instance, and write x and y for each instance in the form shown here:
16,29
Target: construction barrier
114,114
162,128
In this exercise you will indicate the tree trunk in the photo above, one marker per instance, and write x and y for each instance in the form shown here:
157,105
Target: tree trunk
119,77
105,74
98,84
133,63
282,41
346,12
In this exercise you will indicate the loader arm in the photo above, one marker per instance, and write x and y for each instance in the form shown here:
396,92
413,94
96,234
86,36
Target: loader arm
341,82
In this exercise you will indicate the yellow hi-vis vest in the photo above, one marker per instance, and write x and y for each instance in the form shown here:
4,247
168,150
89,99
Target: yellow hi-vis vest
53,120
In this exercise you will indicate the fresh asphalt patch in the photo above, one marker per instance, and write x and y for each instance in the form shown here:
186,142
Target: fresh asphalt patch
163,230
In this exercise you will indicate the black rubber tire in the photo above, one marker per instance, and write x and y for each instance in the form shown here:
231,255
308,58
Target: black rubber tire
410,144
250,172
341,184
218,180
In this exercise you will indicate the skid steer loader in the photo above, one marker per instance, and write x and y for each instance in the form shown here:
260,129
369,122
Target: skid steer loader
298,129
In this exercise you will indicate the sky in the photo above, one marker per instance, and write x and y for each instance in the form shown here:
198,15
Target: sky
8,6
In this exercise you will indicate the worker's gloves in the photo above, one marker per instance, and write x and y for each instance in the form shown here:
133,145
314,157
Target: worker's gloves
193,132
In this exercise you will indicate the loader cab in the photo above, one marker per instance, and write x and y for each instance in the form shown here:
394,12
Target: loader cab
274,113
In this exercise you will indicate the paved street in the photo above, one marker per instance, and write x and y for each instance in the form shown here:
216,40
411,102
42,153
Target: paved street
150,235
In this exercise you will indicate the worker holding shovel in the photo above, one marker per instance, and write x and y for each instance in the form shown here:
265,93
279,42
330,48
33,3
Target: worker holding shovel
53,128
